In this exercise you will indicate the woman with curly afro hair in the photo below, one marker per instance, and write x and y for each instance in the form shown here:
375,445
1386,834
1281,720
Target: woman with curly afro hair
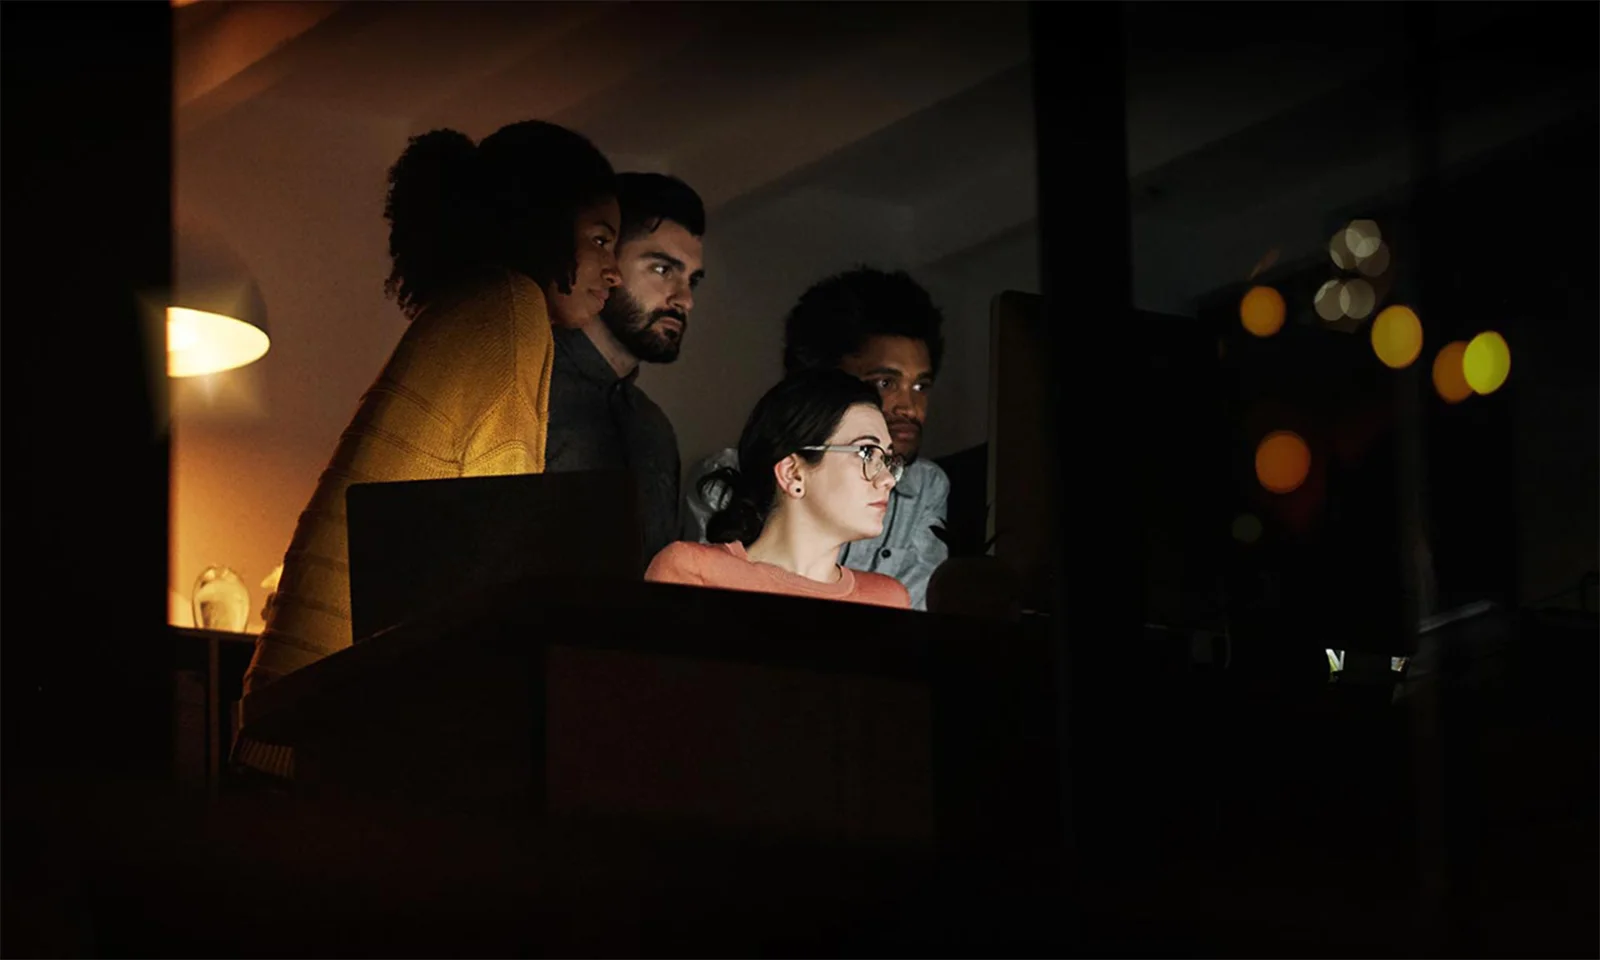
492,244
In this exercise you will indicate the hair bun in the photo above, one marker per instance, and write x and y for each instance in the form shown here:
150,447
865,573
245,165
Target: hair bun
739,516
740,520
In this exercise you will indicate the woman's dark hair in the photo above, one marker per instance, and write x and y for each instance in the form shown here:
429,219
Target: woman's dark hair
511,201
835,317
801,411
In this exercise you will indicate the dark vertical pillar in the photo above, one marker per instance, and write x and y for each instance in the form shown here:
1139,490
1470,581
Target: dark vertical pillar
1434,735
87,259
1078,61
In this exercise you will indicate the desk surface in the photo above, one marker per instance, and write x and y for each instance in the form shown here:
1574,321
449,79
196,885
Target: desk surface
660,619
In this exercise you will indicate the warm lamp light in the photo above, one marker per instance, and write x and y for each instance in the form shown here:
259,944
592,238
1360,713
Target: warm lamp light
216,319
199,342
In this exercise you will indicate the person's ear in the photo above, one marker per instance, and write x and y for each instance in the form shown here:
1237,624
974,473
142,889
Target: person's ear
791,480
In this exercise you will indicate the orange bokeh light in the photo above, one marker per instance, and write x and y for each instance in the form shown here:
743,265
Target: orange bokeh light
1449,373
1282,461
1261,311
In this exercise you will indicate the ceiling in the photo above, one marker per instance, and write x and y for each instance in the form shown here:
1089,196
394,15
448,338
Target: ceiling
924,106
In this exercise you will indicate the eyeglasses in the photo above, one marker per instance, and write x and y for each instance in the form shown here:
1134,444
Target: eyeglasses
873,458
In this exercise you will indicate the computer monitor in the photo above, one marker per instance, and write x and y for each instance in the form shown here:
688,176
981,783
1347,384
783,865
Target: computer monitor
1181,471
420,545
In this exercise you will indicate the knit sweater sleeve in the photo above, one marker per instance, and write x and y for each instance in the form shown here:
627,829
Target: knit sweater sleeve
465,393
508,436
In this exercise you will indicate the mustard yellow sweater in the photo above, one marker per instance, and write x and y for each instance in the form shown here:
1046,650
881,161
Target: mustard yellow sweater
466,393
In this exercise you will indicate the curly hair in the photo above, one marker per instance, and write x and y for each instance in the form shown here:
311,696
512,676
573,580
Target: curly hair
836,316
511,201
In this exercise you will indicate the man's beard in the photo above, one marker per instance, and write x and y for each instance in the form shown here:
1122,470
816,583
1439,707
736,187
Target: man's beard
640,333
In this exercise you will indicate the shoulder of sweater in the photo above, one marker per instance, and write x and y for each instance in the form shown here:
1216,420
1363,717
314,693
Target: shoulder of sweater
880,586
496,302
686,557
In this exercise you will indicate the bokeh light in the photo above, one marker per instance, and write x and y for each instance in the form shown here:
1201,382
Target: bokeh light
1282,461
1247,528
1356,299
1449,374
1397,337
1486,362
1339,251
1261,311
1376,265
1326,301
1362,238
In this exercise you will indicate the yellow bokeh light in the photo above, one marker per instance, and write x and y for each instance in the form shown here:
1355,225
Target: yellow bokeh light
1449,376
1282,461
1486,362
1261,311
1397,337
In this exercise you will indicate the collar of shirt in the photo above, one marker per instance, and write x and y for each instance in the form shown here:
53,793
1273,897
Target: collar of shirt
914,479
575,348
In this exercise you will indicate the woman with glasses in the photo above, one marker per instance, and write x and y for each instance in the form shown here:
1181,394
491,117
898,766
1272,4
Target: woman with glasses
817,472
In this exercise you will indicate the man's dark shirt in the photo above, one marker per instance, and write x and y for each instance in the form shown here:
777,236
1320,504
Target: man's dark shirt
599,421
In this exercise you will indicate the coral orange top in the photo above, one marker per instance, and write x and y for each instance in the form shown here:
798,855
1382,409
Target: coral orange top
728,567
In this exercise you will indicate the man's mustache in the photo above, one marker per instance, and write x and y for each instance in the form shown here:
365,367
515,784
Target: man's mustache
659,315
913,424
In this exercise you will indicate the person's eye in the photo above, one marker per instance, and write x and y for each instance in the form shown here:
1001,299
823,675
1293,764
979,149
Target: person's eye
661,268
883,383
923,387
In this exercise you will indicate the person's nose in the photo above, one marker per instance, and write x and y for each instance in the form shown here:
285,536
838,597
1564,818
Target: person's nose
902,403
682,298
609,274
884,480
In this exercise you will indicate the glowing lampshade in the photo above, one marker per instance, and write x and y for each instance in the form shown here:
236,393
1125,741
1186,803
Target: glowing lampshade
199,342
216,319
1449,375
1282,461
1397,337
1486,362
1261,311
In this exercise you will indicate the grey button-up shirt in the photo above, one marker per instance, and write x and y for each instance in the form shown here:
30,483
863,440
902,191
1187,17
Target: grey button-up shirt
907,549
600,421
